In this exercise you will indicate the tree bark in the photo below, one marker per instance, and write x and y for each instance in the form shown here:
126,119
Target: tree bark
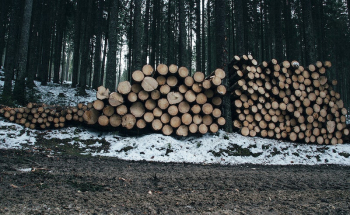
20,85
112,44
137,44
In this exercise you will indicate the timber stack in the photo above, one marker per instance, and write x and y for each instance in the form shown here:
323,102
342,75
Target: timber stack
168,100
286,101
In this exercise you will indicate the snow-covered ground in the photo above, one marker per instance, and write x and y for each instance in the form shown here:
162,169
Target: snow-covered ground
222,148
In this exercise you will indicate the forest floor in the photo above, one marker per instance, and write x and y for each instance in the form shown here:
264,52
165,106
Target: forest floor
40,183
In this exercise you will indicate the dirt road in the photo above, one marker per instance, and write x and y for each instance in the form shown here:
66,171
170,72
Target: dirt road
92,185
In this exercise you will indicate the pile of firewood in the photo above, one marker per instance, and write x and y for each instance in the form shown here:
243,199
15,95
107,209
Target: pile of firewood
286,101
167,100
45,116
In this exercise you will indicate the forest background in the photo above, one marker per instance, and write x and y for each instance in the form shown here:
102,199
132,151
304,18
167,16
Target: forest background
101,42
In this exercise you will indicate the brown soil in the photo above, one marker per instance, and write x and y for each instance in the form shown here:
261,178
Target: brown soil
68,184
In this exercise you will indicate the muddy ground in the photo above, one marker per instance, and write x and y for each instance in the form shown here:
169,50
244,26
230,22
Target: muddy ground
67,184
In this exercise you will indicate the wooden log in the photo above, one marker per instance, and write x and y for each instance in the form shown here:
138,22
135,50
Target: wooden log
98,104
183,72
167,130
132,97
173,110
175,122
157,124
115,99
201,98
124,87
150,104
193,128
128,121
189,81
198,77
149,84
103,120
157,112
102,93
165,118
190,96
138,76
161,80
162,69
174,97
143,95
148,117
163,103
90,116
182,131
108,110
172,81
186,118
141,123
173,68
155,94
214,128
137,109
184,107
147,70
203,129
122,110
165,89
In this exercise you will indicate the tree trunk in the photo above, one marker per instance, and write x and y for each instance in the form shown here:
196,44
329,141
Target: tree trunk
60,16
239,27
137,44
97,60
11,49
221,53
20,85
145,33
76,53
182,35
112,44
309,36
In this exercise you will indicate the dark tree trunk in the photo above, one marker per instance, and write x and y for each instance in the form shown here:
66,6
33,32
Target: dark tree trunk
182,34
145,34
278,31
153,48
34,45
12,44
104,60
60,16
137,50
46,41
97,60
76,52
198,36
287,12
85,54
239,27
130,40
203,39
112,44
309,37
209,56
222,56
4,10
170,27
20,85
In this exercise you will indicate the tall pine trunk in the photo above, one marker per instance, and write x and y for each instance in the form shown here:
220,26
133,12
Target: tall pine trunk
97,60
137,50
309,38
112,44
76,52
11,49
222,56
182,34
20,85
239,27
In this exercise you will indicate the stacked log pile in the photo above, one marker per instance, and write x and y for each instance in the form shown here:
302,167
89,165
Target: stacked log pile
43,116
286,101
167,100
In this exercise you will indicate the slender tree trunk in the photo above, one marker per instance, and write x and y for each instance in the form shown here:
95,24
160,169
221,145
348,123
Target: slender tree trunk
288,28
198,36
209,57
85,59
145,34
137,53
278,31
112,44
222,56
20,85
46,42
309,37
203,39
60,16
76,53
170,43
182,34
34,45
104,60
4,10
130,40
97,60
239,27
10,61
